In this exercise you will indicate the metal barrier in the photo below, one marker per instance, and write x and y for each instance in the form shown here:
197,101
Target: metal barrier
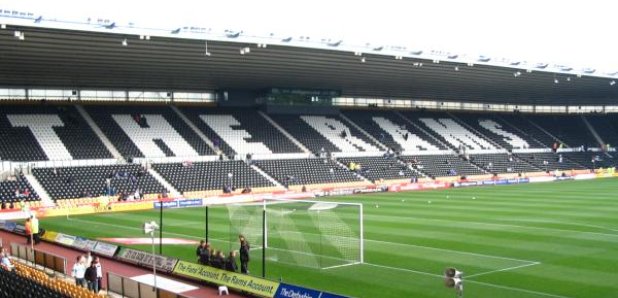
127,287
40,258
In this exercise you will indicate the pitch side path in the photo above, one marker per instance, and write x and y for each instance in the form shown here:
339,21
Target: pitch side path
108,265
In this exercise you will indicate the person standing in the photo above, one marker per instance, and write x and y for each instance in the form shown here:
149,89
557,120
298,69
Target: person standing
34,222
204,256
79,271
90,275
244,254
28,230
97,265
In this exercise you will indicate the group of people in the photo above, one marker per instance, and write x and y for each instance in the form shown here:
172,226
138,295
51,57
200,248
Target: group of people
208,256
88,272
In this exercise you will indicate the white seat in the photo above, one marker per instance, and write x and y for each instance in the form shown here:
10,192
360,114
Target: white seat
223,290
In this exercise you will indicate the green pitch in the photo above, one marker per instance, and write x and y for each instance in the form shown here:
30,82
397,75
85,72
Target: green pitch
533,240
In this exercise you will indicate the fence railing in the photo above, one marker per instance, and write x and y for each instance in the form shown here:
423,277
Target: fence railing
40,258
127,287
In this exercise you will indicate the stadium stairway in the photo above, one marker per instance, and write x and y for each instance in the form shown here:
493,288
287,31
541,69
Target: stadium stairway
95,128
363,131
285,133
421,129
197,131
593,131
46,200
173,192
271,179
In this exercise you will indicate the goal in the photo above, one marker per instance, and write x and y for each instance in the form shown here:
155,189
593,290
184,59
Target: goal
313,234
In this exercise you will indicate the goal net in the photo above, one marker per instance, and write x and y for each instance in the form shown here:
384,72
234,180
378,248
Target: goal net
304,233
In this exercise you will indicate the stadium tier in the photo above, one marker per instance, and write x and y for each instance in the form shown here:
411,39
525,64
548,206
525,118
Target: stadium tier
327,133
241,131
380,168
148,132
307,171
92,181
46,132
200,176
18,286
180,145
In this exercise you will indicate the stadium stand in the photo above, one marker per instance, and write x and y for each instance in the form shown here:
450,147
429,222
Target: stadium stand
442,165
16,190
606,127
329,132
394,132
199,176
448,131
45,132
240,131
492,128
549,161
90,181
148,131
18,286
502,163
306,171
569,129
381,167
591,160
535,137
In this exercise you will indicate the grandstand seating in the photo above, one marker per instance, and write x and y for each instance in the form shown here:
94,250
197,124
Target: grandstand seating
499,132
501,163
240,131
376,168
569,129
26,135
601,160
549,161
211,175
607,128
88,181
171,135
449,131
442,165
19,286
317,132
389,129
8,188
307,171
536,137
30,282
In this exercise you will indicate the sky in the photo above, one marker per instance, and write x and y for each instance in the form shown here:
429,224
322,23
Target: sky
573,33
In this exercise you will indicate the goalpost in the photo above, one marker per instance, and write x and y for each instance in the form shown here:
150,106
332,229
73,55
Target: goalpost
315,234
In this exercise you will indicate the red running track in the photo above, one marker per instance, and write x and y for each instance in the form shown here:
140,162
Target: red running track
109,265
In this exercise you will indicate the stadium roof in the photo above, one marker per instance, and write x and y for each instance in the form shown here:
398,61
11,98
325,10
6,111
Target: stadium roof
48,57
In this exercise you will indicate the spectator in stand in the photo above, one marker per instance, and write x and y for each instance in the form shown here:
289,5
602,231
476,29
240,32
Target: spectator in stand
304,189
90,275
79,270
204,257
246,190
230,263
221,260
3,205
244,254
88,258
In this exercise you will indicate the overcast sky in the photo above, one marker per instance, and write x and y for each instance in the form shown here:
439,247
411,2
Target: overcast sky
573,33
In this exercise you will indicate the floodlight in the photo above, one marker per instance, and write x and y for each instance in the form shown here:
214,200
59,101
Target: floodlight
556,81
363,60
124,42
456,68
568,79
612,83
17,34
2,26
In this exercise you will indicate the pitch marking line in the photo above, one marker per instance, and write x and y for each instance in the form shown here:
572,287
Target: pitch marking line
501,270
339,266
470,281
